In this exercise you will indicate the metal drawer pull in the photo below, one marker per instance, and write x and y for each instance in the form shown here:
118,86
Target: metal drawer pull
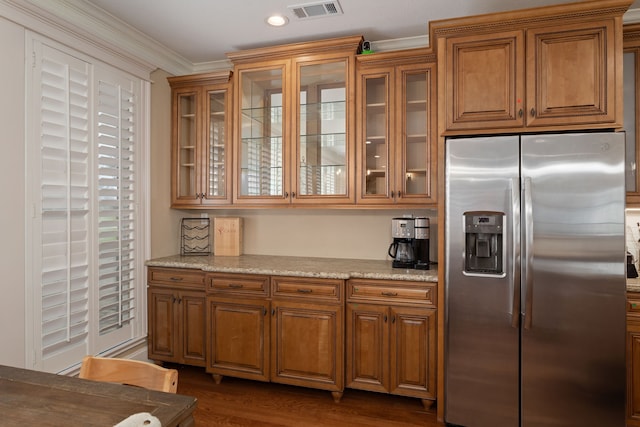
235,286
305,291
390,294
177,279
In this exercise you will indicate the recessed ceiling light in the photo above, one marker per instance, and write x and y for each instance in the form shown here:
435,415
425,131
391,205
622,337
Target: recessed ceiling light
277,20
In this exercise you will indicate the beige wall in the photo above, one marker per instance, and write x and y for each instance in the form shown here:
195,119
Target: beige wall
165,222
12,192
342,233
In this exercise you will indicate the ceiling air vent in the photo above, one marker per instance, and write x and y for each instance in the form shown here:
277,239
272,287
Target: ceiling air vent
316,10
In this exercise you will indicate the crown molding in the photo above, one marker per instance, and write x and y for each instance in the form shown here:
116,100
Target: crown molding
400,44
72,21
123,42
631,16
204,67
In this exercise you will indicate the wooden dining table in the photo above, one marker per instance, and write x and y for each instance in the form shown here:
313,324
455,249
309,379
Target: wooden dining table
34,398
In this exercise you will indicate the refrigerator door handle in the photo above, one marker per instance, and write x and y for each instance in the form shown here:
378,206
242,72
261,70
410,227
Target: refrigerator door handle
515,262
528,257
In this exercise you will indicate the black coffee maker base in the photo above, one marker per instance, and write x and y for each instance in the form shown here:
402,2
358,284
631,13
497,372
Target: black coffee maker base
420,265
402,264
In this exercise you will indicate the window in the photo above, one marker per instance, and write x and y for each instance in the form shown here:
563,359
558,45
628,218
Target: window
86,277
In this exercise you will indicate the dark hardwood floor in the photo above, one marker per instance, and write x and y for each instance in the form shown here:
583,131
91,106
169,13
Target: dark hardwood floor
238,402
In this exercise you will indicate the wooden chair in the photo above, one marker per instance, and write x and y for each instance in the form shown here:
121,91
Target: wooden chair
129,372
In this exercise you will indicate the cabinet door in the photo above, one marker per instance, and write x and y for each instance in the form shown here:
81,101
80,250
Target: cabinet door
631,96
484,76
571,74
192,317
633,371
215,163
368,347
307,345
413,352
415,148
163,321
322,154
262,134
186,136
374,148
238,338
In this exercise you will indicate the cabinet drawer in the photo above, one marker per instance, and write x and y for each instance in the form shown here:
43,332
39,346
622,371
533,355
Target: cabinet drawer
309,289
176,276
238,284
633,306
392,291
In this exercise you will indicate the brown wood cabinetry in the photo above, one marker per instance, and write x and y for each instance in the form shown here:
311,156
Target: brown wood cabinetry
395,141
553,68
391,337
631,110
633,359
201,140
176,314
294,123
307,339
280,329
238,326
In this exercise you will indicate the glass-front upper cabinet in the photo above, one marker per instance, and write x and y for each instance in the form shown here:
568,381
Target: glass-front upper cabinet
396,140
322,152
413,175
261,150
294,132
217,136
375,137
186,133
631,74
201,142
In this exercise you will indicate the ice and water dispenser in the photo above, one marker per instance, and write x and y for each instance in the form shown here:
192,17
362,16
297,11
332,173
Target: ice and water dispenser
484,243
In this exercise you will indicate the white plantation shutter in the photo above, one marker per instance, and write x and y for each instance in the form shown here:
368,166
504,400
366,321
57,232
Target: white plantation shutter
86,248
64,228
116,159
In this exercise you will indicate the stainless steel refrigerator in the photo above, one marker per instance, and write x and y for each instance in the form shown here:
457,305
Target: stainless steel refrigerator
535,281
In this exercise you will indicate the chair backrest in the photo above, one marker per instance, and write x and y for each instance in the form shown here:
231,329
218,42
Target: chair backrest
130,372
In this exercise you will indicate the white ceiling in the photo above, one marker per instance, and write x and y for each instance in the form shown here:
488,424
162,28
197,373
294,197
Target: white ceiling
204,30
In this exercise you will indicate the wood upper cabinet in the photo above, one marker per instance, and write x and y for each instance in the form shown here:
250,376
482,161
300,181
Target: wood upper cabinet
176,311
396,109
201,140
631,91
294,123
553,68
391,338
484,75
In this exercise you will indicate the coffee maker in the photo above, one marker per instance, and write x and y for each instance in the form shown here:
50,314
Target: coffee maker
401,249
421,243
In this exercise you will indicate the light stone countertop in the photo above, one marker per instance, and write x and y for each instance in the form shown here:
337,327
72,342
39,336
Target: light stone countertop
633,285
326,268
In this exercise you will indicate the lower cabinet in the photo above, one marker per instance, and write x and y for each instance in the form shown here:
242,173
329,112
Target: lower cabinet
391,338
633,359
238,321
239,338
289,332
296,330
307,339
176,315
